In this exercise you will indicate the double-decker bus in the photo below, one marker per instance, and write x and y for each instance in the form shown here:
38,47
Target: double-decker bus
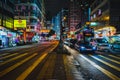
88,33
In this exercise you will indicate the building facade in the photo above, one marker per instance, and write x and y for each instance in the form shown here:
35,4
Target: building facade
79,14
74,16
106,15
7,33
56,23
33,12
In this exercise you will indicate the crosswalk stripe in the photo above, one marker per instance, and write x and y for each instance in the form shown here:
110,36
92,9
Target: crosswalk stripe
110,59
109,74
114,56
30,69
4,54
117,68
13,59
13,54
4,72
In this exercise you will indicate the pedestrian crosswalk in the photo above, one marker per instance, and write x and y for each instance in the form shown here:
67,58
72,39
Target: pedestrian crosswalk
30,69
110,59
116,57
5,57
12,62
106,72
105,64
13,59
3,72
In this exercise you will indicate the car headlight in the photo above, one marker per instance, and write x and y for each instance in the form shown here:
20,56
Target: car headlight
82,47
110,45
94,48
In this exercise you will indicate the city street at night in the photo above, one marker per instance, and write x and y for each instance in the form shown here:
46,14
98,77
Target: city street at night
41,62
59,39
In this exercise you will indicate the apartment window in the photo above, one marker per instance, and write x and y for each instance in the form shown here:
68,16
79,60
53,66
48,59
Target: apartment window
27,7
16,14
21,13
26,13
33,20
34,8
19,7
31,27
23,7
33,13
16,7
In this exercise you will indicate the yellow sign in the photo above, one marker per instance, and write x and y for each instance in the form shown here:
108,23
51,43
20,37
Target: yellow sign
45,30
9,24
19,23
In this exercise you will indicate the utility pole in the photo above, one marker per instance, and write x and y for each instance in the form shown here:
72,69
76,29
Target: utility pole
61,33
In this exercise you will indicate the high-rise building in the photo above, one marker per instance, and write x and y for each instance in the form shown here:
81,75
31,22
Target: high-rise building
56,23
74,15
33,12
106,15
79,14
7,35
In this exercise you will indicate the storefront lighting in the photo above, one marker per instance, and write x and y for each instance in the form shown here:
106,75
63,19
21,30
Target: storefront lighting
106,18
94,16
87,23
93,24
64,18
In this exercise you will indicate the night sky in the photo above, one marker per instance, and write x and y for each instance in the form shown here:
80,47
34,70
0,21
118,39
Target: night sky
54,6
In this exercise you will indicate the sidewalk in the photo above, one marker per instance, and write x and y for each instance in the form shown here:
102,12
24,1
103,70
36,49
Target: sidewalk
65,68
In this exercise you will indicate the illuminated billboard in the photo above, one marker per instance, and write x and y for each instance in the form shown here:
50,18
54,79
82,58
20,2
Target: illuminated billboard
0,22
19,23
9,24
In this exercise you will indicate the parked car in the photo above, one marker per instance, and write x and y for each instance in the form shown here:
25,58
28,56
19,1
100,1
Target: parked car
70,42
67,42
1,46
85,47
102,44
115,43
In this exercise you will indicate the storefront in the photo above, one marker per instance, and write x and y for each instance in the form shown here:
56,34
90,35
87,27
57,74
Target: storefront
7,37
11,38
3,37
105,31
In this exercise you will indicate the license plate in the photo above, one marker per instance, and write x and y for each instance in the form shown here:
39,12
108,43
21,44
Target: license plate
88,49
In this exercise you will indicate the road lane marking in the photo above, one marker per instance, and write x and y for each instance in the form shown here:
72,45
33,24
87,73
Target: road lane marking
17,57
109,74
114,56
1,55
114,67
4,72
30,69
110,59
13,54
